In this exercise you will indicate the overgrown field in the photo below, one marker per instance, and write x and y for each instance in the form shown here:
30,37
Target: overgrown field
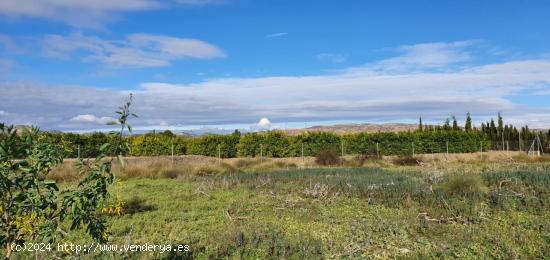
365,207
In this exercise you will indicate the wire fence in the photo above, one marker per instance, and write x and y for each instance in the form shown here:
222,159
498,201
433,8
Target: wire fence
312,149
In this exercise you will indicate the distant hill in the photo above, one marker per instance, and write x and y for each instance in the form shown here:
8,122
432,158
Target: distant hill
19,129
356,128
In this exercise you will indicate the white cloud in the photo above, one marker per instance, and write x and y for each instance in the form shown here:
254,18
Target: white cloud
137,50
482,90
92,119
76,13
3,113
276,35
332,57
264,123
370,92
426,55
86,14
176,47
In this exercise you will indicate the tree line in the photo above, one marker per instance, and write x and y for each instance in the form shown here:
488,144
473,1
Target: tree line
502,136
448,137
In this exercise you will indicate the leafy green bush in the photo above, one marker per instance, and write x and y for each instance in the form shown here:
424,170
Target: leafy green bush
327,157
157,144
32,206
466,185
276,144
214,145
250,145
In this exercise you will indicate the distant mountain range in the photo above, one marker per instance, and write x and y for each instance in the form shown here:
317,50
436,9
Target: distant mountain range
355,128
339,129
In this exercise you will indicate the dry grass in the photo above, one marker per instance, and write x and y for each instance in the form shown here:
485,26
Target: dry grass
406,160
65,172
162,167
492,156
271,165
522,157
153,168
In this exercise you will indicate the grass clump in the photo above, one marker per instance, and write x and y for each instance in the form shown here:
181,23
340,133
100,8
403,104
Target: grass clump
171,173
360,160
64,172
327,157
271,165
524,157
465,185
317,191
406,160
153,170
245,163
136,205
215,169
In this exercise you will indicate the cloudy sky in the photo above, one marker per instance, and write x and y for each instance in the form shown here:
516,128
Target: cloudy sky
67,64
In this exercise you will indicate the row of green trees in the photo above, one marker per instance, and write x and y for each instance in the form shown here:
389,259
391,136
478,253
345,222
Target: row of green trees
502,136
275,143
426,139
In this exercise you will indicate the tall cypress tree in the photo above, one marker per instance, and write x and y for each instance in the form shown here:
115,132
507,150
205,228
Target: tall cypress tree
447,125
455,124
507,132
468,125
420,124
492,130
500,128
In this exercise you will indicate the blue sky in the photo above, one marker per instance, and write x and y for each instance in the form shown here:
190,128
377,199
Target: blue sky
66,64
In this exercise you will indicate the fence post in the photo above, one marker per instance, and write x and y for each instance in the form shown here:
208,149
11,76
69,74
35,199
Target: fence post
78,148
377,151
447,147
302,153
342,144
502,141
413,148
219,155
172,153
481,149
261,153
519,140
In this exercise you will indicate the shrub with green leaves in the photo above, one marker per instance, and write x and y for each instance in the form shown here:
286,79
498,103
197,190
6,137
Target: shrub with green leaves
33,207
466,185
152,144
214,145
327,157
